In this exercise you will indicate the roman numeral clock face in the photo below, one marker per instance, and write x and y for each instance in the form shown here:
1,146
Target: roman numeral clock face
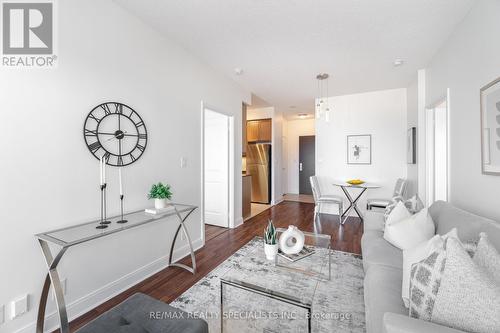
117,132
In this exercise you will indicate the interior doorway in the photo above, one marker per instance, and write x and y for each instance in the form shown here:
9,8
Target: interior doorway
217,140
307,162
437,147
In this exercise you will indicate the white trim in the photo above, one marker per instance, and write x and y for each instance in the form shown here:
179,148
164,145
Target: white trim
238,222
105,293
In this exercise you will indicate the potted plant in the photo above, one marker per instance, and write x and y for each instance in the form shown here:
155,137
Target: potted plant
161,193
270,243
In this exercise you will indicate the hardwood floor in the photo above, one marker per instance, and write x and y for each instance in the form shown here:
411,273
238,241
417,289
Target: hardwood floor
221,243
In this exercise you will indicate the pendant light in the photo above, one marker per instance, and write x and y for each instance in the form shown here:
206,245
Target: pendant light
322,102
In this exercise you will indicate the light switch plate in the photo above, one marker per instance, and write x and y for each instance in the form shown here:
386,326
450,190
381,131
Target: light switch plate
18,307
183,162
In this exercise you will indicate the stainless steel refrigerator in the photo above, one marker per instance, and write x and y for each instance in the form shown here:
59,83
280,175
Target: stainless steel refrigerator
259,167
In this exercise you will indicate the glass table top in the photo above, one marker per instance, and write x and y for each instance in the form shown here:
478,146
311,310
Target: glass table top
296,281
80,233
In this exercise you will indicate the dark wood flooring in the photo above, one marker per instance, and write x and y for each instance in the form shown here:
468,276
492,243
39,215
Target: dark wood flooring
221,243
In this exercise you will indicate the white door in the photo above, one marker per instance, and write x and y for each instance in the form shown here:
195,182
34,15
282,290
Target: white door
216,155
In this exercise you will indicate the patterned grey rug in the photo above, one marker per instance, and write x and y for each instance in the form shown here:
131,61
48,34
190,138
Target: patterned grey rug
338,304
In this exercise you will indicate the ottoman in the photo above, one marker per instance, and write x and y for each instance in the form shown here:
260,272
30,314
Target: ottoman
143,314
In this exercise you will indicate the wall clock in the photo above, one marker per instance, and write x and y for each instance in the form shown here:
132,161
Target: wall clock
115,131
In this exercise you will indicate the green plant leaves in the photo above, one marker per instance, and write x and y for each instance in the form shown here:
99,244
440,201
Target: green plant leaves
270,234
160,191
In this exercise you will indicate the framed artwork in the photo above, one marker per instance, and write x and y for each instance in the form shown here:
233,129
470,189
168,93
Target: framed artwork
359,149
411,145
490,128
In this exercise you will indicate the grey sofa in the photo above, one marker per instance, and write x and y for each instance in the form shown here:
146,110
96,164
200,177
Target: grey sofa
382,262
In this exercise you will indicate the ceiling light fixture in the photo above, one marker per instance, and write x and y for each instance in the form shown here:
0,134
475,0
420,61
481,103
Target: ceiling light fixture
398,62
303,115
322,103
238,71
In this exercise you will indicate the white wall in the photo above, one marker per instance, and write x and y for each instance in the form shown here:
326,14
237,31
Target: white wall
295,129
49,179
381,114
465,63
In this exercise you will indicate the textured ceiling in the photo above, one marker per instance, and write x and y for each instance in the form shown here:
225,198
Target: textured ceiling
282,44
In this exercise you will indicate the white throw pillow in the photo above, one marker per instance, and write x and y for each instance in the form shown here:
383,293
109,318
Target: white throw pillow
399,213
410,232
418,253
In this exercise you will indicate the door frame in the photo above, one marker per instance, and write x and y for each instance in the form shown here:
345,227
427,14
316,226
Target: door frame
429,151
231,177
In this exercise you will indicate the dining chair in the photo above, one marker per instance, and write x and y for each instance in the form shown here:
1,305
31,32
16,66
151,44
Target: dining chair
399,191
320,198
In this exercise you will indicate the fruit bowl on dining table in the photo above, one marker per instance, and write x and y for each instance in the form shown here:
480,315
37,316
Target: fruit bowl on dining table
355,182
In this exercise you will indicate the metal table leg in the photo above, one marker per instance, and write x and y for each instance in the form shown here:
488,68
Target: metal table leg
183,227
262,292
52,277
353,204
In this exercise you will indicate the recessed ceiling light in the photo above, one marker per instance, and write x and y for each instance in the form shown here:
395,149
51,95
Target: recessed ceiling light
292,107
238,71
398,62
303,115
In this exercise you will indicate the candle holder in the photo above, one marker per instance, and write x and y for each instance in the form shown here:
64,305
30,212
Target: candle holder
103,223
121,210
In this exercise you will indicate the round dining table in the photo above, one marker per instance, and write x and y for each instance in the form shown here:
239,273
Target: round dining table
353,200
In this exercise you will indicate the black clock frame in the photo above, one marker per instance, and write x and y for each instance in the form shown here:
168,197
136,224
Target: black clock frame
97,145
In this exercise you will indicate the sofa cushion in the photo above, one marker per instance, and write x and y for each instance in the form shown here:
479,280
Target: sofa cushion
382,290
447,217
377,251
374,221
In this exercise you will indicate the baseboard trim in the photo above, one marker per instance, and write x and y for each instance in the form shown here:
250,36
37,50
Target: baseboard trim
105,293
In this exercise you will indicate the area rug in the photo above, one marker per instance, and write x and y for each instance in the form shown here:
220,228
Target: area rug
338,303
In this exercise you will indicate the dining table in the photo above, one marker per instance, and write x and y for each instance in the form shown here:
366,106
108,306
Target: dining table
353,199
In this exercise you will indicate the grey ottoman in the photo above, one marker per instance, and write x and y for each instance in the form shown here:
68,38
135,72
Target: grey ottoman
143,314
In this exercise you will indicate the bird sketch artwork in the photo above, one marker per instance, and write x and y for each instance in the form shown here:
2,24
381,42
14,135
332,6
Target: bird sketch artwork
359,150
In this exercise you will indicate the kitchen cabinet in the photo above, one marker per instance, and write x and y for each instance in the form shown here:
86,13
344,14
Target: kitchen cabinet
265,129
259,130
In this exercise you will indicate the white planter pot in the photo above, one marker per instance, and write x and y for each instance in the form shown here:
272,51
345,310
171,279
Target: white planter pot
161,203
271,251
292,240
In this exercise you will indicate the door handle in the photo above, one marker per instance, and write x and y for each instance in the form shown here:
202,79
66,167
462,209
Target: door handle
300,166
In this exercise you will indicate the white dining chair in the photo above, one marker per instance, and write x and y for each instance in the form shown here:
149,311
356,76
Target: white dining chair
399,191
320,198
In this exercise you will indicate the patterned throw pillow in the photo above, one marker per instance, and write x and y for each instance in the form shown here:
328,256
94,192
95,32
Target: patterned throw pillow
449,289
425,279
414,204
391,206
487,256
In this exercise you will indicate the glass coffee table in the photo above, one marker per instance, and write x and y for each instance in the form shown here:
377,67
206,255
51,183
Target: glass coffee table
275,285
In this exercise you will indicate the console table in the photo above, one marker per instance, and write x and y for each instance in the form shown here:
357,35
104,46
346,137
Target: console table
85,232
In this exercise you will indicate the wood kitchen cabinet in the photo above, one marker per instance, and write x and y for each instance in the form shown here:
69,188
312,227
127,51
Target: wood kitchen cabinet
252,130
259,130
